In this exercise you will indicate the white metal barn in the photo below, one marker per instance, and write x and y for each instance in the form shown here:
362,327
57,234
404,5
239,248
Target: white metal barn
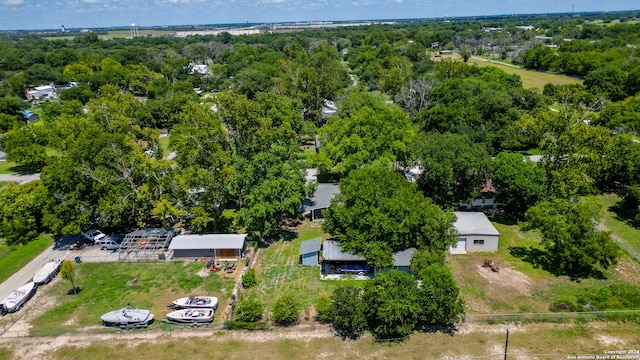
218,246
475,233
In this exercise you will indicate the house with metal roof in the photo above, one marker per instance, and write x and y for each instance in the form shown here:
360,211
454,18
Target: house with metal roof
336,261
474,233
221,247
310,252
320,200
401,261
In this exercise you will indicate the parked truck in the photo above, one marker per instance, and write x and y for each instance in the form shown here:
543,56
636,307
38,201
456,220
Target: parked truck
94,235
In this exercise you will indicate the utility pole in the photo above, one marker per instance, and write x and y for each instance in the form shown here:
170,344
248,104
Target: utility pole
506,345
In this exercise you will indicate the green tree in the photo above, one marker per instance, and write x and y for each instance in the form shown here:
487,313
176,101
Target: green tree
392,305
286,310
367,129
520,183
21,211
379,211
248,310
455,168
570,236
439,297
68,271
348,311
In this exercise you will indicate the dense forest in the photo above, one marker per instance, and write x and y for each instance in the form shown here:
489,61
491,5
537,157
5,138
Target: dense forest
236,132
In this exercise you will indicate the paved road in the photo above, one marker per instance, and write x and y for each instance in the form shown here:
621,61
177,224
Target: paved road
21,178
66,248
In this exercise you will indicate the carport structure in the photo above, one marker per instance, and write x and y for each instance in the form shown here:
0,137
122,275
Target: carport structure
145,244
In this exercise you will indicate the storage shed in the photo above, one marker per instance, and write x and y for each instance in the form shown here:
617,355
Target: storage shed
310,251
219,246
475,233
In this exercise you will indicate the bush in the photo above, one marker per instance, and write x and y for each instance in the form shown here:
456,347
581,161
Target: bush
286,310
324,309
249,310
249,279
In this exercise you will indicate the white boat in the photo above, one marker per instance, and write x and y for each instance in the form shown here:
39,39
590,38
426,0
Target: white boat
191,316
48,272
18,298
128,318
196,302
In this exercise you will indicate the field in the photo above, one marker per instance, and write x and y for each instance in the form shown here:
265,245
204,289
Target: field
548,341
127,33
530,79
13,260
107,286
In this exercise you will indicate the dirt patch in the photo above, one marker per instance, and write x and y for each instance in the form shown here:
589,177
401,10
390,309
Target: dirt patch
507,278
204,272
610,340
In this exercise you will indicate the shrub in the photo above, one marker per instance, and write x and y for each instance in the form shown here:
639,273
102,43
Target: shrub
249,279
286,310
248,310
324,309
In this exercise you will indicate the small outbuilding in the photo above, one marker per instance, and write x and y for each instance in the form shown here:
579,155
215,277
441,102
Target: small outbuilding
310,252
320,200
474,233
219,246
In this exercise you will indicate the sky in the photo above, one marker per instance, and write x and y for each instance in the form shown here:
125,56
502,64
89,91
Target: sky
52,14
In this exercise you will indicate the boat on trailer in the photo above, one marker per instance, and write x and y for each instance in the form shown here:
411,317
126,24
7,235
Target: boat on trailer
191,316
196,302
16,300
48,272
128,318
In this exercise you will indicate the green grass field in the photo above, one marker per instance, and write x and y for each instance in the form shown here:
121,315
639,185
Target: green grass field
104,288
278,271
7,167
13,259
521,285
618,225
530,78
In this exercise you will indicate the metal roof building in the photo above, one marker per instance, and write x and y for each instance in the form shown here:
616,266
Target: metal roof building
321,199
219,246
475,233
309,251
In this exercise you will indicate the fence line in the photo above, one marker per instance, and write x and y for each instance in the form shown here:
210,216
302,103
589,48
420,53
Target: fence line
552,316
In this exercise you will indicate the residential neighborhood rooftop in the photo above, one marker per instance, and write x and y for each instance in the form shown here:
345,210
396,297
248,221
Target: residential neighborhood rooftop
310,246
200,241
322,197
474,223
331,251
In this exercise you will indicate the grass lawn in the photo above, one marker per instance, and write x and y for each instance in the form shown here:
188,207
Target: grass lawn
12,260
617,225
530,78
522,286
164,144
7,167
556,340
278,271
104,288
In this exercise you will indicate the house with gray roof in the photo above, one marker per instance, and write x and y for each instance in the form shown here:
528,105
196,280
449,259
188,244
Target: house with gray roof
474,233
310,252
320,200
401,261
221,247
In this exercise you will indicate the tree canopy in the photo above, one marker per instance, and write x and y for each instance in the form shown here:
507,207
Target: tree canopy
378,211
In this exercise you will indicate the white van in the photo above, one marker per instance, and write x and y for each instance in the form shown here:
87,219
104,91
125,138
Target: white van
109,244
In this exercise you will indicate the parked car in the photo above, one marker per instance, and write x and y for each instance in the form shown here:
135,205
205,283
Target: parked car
109,244
94,235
